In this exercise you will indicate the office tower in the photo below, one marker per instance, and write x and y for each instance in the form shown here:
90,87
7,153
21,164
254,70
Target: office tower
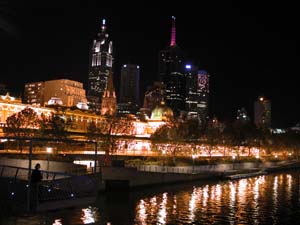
197,93
203,94
101,63
70,92
129,87
192,96
171,73
262,112
34,93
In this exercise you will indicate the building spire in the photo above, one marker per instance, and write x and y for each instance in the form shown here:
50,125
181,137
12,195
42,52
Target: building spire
109,101
110,85
173,32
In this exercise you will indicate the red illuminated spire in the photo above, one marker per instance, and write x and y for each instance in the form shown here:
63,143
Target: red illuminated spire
173,32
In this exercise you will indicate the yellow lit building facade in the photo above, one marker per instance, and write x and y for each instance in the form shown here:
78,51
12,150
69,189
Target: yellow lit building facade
70,92
78,119
11,105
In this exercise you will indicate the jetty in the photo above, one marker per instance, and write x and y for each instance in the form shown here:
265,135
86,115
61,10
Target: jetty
246,175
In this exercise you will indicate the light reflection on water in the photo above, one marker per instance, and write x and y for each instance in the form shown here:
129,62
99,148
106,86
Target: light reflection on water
271,199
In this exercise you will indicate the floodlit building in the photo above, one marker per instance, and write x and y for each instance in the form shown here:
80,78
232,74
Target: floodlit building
10,105
69,91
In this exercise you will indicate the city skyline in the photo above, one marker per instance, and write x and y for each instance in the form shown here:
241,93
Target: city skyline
248,52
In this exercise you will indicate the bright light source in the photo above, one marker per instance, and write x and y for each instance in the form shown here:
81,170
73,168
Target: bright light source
188,66
233,157
49,150
261,99
276,156
124,66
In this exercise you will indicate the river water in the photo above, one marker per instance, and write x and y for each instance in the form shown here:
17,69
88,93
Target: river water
269,199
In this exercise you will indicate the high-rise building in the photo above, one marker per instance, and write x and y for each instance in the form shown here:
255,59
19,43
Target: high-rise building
191,96
242,116
34,93
203,94
101,63
109,99
262,112
171,73
69,92
129,86
197,93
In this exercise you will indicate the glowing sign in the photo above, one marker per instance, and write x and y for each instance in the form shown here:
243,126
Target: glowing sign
203,80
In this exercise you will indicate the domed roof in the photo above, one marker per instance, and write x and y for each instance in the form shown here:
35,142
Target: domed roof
161,112
82,105
55,101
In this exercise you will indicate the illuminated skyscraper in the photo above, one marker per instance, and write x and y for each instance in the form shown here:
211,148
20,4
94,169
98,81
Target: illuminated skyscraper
262,112
171,73
197,93
192,98
101,63
203,94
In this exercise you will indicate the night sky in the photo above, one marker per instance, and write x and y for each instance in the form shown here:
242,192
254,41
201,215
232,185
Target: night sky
248,49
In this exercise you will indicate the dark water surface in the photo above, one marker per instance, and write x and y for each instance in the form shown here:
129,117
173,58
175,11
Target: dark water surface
270,199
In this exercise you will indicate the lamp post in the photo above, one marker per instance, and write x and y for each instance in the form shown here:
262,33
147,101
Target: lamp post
193,157
164,153
49,151
233,158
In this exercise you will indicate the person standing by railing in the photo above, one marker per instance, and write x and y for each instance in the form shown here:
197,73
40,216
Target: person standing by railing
36,178
36,175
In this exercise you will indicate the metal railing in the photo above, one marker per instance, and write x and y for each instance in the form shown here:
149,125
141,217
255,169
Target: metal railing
19,195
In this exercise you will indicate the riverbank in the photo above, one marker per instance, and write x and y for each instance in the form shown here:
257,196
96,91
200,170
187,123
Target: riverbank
120,178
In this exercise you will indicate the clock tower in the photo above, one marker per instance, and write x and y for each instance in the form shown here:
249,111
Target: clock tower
101,63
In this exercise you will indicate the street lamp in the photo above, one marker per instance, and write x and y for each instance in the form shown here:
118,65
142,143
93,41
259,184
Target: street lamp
49,151
193,157
164,153
233,165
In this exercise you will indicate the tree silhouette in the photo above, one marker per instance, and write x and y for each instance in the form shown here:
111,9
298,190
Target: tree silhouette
23,123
